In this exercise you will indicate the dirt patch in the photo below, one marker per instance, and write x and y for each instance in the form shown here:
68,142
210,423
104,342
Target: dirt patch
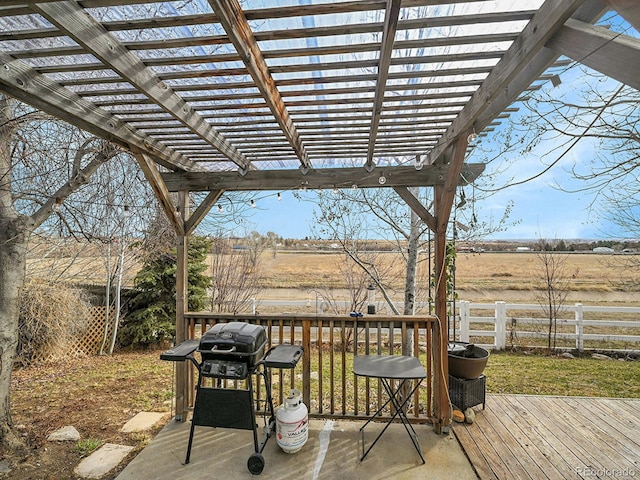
97,395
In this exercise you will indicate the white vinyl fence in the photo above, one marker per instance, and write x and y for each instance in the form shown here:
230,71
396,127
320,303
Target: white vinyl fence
503,325
577,327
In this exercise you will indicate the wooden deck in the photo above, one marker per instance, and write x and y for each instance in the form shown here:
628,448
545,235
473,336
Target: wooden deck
548,437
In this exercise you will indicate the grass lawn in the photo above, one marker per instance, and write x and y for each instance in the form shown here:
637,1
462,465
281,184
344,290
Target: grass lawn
537,374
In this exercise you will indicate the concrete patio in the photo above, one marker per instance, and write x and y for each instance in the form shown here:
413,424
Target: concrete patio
332,451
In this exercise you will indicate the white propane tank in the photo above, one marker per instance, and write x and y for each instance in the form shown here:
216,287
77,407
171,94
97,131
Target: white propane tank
292,423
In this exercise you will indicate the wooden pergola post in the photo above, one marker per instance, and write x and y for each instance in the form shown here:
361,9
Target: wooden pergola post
182,304
440,335
444,196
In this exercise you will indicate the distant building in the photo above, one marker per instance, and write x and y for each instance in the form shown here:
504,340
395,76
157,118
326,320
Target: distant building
603,250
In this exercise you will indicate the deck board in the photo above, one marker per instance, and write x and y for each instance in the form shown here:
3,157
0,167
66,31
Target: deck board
555,438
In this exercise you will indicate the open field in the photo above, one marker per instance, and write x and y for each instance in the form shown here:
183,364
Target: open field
486,277
483,277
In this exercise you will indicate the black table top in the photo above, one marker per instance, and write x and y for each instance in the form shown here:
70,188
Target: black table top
398,367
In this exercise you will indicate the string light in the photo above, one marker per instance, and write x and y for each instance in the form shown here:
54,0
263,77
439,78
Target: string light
419,162
253,204
382,179
463,200
220,208
279,197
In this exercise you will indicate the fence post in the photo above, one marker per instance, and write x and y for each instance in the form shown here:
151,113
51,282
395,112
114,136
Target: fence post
579,313
501,325
464,320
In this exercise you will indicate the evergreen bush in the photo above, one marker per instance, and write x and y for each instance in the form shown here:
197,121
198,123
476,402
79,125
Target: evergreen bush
151,305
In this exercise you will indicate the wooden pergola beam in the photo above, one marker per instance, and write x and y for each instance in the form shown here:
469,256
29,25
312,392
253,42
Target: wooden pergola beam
628,9
153,176
71,19
544,24
24,83
605,51
234,21
316,179
392,13
589,11
416,205
196,217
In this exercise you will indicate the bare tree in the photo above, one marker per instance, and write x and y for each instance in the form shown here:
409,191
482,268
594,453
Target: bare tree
42,162
553,288
235,271
589,111
344,216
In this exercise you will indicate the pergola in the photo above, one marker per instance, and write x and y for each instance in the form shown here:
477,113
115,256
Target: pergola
220,95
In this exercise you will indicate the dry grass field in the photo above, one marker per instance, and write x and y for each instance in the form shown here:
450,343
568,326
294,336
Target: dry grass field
595,279
487,276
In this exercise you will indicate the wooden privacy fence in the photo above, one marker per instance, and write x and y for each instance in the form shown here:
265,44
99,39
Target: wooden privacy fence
577,326
325,373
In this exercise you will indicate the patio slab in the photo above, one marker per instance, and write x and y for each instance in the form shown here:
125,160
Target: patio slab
143,421
332,451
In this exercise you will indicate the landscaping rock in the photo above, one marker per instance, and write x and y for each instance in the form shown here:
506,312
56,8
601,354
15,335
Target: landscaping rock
567,355
64,434
5,467
102,461
469,416
458,416
600,356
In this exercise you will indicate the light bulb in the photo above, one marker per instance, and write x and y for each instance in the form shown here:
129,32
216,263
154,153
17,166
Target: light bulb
382,180
253,204
472,137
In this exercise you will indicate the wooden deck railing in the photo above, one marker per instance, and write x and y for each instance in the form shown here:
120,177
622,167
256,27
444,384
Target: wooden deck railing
325,373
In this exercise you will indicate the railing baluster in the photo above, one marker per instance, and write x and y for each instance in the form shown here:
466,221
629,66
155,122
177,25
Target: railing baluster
343,341
355,378
332,382
320,366
351,332
306,362
367,348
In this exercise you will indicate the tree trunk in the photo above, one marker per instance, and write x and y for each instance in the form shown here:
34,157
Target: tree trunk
412,262
107,301
14,236
118,293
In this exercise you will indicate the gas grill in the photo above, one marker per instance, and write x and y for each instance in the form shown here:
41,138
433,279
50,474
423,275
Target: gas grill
234,351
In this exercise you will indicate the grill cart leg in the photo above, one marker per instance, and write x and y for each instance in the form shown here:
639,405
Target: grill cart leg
193,426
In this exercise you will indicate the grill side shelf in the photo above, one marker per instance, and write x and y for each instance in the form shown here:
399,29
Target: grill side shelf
283,356
180,352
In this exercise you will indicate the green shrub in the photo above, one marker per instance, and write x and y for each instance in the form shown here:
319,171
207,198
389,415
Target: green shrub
151,305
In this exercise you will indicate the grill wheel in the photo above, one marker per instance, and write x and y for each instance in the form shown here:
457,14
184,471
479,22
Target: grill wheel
255,464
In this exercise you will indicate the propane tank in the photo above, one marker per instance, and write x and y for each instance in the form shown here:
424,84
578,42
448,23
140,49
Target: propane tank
292,423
